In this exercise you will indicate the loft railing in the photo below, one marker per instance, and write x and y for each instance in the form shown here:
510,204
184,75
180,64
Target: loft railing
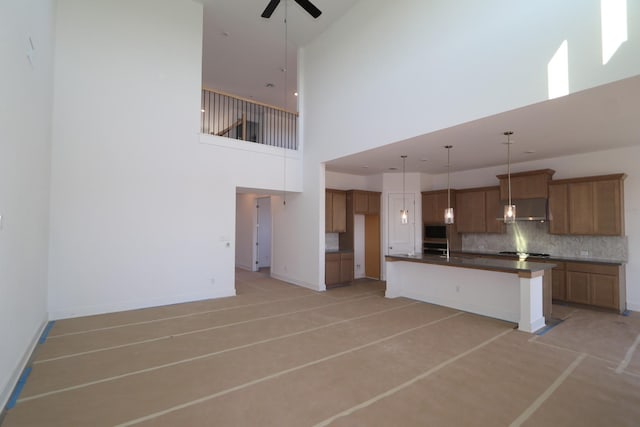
237,118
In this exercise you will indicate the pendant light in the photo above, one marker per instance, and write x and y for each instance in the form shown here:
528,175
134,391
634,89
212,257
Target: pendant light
510,209
448,212
404,213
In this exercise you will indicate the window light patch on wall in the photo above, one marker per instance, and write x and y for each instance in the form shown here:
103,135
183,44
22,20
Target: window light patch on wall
558,72
613,14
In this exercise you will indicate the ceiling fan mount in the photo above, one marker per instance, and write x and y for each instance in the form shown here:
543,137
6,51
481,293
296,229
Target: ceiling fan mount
305,4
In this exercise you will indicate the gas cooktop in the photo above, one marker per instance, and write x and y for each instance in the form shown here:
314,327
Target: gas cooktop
530,254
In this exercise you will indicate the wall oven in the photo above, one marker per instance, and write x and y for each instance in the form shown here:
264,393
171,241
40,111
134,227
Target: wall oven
435,239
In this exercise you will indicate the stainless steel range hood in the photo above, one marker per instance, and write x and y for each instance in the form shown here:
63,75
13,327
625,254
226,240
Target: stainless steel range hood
530,209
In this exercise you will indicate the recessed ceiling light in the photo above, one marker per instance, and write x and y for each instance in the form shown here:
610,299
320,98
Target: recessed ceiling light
295,93
423,160
530,151
270,85
364,167
202,110
224,33
393,169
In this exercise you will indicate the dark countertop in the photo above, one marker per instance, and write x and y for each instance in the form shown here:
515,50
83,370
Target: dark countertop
339,251
470,261
551,258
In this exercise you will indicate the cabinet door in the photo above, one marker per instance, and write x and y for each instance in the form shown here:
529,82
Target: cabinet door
374,203
558,215
360,202
346,268
493,211
580,207
604,290
328,212
339,212
607,208
471,212
558,284
331,269
433,206
578,287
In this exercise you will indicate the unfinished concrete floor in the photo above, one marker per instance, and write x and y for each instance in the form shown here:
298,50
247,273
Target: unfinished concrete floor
281,355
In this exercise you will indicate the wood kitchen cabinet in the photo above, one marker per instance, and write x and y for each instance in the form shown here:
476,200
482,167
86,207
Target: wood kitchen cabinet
346,267
366,202
477,210
434,204
600,285
335,211
338,268
558,282
332,269
587,206
526,185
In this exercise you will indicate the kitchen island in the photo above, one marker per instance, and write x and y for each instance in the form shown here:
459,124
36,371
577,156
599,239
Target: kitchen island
503,289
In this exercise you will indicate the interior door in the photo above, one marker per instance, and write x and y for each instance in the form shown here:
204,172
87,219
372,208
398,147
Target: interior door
264,232
401,237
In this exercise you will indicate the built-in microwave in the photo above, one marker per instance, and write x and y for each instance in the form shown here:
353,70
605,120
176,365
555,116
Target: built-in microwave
435,231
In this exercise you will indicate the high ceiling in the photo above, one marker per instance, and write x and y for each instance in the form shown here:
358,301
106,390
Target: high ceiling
244,52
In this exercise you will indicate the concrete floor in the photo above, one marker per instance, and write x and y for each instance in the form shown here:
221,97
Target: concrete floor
281,355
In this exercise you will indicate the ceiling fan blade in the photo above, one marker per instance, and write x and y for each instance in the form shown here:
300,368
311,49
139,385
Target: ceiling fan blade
309,7
268,11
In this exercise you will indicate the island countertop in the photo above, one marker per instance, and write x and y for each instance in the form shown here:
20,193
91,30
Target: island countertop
522,268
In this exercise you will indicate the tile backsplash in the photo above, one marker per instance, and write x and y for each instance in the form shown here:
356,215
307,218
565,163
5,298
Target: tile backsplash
331,241
531,236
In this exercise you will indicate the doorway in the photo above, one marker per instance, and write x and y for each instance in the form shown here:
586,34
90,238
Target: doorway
263,234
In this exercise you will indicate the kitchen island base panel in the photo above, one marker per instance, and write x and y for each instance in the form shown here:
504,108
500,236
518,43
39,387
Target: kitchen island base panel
489,293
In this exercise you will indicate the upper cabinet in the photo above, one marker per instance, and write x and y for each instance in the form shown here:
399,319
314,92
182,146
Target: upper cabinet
526,185
587,206
477,210
433,205
366,202
335,211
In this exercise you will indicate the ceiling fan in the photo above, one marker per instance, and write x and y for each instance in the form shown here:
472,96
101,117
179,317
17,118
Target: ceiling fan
305,4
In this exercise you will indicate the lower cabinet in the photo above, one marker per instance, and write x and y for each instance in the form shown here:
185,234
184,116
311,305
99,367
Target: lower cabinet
599,285
338,268
558,282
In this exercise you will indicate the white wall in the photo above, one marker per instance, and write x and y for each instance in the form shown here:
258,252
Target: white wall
25,129
388,71
142,205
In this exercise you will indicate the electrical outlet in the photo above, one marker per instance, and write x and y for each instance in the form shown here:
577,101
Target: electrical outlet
584,253
357,266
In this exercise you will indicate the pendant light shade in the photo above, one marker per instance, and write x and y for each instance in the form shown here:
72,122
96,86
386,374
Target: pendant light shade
510,209
448,212
404,213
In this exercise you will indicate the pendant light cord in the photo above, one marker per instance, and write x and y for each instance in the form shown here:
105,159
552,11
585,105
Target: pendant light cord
404,207
448,176
509,163
284,91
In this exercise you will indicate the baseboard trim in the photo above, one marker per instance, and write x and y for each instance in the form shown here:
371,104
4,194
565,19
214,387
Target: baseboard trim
8,389
633,306
68,313
287,279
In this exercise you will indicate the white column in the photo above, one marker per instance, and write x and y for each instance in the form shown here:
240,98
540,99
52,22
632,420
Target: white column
531,315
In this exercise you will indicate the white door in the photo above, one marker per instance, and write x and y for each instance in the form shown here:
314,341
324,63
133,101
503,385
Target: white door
401,237
264,232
